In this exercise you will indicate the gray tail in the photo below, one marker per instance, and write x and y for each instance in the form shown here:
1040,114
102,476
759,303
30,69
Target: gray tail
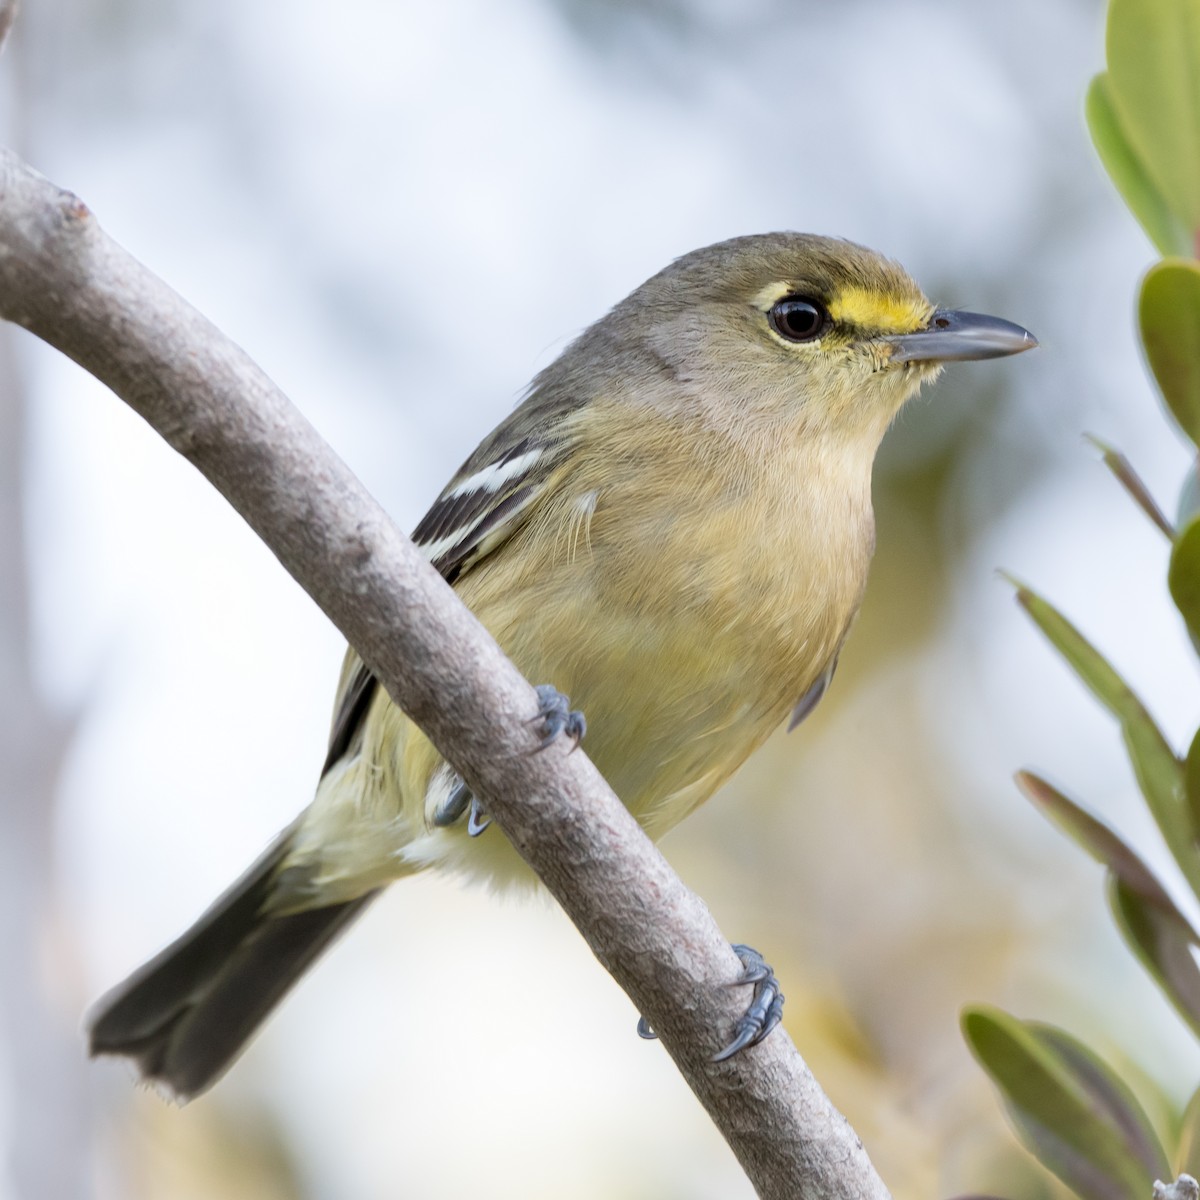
189,1012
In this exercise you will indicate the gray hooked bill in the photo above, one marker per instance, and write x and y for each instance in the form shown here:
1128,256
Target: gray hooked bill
953,336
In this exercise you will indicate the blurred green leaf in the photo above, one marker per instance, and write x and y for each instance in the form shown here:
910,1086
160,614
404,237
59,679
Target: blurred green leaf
1101,842
1191,780
1164,941
1183,577
1153,51
1159,773
1189,498
1109,1094
1143,198
1157,931
1131,481
1169,316
1071,1110
1187,1154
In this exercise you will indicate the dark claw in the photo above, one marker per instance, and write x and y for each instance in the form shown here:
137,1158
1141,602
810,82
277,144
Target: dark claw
557,716
764,1013
452,808
766,1007
478,821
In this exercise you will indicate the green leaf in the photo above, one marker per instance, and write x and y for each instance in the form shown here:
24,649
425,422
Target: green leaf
1187,1154
1068,1106
1109,1094
1153,51
1140,194
1099,840
1169,316
1131,481
1191,780
1156,930
1163,940
1159,773
1183,577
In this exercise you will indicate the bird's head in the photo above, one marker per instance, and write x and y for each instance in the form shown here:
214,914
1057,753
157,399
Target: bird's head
811,333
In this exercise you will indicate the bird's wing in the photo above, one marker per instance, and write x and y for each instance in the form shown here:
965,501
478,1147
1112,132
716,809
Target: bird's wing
356,691
485,503
481,507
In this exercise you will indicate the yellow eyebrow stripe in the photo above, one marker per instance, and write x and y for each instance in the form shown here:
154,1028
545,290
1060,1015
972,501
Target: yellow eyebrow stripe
879,311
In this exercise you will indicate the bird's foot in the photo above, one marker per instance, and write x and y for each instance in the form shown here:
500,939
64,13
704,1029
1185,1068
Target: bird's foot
451,810
479,820
557,716
766,1005
764,1013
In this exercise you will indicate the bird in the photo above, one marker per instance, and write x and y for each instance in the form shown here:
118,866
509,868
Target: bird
672,528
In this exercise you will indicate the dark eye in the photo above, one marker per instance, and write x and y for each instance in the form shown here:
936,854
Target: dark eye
798,319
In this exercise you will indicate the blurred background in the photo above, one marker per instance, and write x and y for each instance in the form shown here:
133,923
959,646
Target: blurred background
402,211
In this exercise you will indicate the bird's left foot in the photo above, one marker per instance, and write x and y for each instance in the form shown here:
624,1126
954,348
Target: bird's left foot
557,716
479,820
764,1013
451,810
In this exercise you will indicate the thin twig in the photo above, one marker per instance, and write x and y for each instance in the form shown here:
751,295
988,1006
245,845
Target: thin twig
1131,481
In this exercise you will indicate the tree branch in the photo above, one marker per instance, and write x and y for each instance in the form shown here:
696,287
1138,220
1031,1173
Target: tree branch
65,280
8,14
1183,1188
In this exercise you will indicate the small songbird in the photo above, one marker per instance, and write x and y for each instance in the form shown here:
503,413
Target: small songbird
673,528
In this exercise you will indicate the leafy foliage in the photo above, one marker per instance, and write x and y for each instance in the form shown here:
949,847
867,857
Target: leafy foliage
1069,1107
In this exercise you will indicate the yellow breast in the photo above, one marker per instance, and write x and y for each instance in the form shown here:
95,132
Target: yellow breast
684,626
684,623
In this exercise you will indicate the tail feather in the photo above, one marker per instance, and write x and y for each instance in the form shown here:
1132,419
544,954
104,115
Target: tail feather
188,1013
